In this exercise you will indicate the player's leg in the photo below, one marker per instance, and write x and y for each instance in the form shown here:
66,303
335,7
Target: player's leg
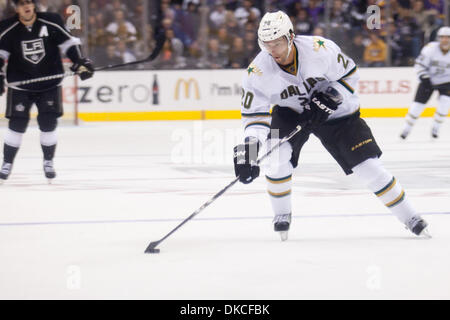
50,109
356,151
442,109
386,187
423,94
17,113
280,166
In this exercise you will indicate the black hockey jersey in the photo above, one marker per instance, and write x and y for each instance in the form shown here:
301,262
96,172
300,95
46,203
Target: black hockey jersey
34,52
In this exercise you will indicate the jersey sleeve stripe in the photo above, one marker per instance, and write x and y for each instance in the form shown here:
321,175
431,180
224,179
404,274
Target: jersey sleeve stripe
346,85
258,123
4,54
256,114
8,30
350,72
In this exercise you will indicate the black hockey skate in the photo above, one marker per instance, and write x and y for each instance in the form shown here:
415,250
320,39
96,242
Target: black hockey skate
5,171
49,170
418,226
435,133
281,224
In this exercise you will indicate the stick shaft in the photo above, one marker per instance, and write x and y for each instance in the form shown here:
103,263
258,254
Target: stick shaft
159,43
152,245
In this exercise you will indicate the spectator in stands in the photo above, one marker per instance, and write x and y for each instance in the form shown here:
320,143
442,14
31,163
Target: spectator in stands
111,56
303,24
246,12
437,5
376,52
238,57
251,45
111,8
318,31
124,53
357,48
215,59
225,40
232,23
165,59
121,28
177,49
218,16
190,22
315,11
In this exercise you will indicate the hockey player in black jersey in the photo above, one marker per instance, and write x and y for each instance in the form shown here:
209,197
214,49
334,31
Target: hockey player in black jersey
31,42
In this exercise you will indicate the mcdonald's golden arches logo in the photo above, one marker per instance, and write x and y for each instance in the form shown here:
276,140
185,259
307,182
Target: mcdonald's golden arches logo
186,84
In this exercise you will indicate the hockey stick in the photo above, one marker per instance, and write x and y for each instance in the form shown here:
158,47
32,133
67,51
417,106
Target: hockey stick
152,246
159,44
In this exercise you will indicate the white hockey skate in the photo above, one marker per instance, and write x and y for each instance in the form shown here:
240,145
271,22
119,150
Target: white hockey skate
418,226
5,171
49,170
281,224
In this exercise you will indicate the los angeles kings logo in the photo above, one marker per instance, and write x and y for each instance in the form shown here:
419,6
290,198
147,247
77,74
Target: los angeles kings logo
33,50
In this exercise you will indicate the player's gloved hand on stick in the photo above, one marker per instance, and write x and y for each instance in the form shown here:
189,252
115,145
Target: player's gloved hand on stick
2,84
84,68
245,157
321,106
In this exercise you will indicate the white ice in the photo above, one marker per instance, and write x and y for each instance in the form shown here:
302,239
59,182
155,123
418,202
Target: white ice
123,185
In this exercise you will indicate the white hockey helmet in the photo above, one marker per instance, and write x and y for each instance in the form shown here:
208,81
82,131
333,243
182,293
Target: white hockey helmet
444,31
274,25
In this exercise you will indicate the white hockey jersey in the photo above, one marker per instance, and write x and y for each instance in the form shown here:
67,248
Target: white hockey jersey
434,63
321,64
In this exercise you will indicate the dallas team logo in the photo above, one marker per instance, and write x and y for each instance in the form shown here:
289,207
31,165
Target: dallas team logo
33,50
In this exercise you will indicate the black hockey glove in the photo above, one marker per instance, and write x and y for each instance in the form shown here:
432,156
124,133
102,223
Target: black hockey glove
245,156
321,106
84,68
2,84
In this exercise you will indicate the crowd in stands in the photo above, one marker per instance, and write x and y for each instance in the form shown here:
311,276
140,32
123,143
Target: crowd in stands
216,34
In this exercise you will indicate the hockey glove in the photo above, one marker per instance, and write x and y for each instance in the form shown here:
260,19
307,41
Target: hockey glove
2,84
321,106
84,68
245,157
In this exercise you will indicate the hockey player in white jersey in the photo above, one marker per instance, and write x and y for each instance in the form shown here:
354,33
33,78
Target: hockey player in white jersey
433,69
311,82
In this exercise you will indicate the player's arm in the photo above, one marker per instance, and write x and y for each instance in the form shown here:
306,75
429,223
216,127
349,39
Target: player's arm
422,67
4,55
339,74
70,46
256,119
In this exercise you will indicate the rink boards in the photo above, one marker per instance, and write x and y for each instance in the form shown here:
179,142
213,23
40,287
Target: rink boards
213,94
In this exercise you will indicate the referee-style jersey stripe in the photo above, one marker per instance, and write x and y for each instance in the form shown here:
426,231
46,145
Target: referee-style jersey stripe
279,180
396,200
280,195
388,187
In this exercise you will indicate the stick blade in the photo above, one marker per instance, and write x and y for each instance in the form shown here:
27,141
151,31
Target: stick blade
152,247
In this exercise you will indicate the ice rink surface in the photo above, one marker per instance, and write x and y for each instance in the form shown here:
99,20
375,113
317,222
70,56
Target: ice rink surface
122,185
